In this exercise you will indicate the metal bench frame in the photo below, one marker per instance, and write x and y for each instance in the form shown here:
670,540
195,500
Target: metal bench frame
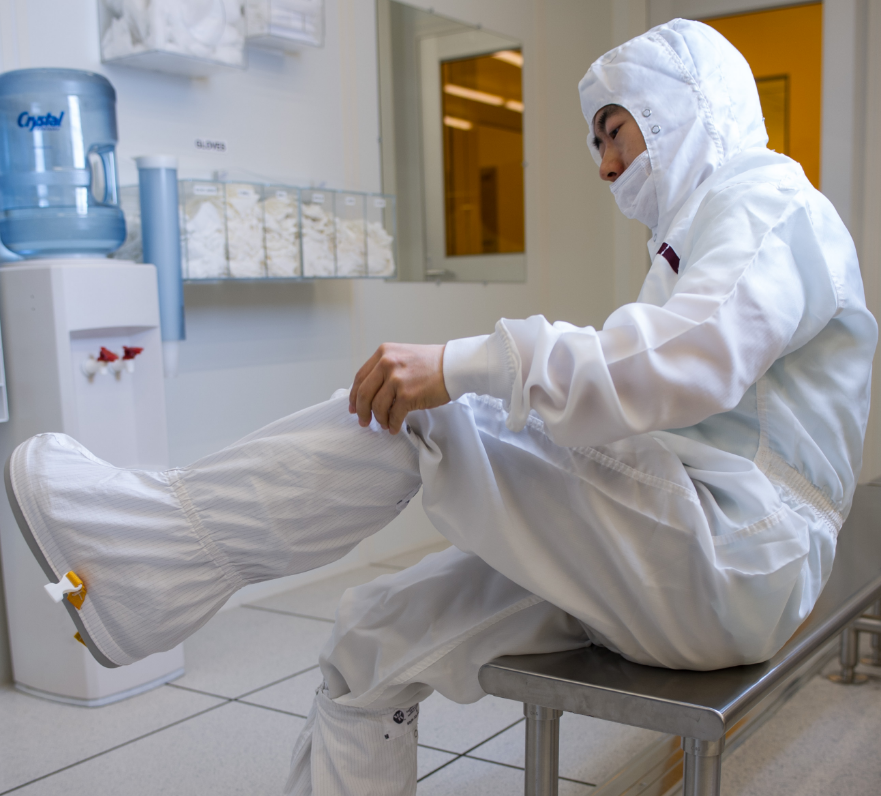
701,707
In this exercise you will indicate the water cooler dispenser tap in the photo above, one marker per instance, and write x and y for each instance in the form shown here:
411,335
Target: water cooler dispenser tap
108,358
91,366
128,357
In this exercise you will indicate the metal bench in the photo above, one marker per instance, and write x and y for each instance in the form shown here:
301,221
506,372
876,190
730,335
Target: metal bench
701,707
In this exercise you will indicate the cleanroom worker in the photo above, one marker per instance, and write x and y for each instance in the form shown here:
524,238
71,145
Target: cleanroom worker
669,487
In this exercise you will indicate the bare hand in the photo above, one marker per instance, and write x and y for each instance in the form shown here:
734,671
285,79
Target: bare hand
397,379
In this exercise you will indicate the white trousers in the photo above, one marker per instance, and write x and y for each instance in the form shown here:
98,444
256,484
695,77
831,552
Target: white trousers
668,551
671,553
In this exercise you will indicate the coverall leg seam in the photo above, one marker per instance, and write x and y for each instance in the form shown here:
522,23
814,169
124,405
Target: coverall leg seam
211,550
636,475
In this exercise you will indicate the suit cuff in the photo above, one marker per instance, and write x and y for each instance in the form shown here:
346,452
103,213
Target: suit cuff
477,365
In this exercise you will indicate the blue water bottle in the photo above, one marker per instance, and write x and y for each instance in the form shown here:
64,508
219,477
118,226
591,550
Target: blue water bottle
58,184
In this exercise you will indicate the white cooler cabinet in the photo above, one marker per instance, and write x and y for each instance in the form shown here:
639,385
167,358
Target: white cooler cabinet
54,315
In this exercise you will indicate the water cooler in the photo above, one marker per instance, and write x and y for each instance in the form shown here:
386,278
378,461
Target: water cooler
82,346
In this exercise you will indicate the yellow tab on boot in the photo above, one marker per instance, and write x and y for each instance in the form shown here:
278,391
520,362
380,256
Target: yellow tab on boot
79,638
76,598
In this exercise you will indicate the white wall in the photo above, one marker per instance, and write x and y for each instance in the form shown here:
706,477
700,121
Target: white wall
256,352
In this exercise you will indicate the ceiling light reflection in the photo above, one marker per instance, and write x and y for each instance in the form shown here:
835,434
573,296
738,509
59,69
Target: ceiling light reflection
510,57
477,96
459,124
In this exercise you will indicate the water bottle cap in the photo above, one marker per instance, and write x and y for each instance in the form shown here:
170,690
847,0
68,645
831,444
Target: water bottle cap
156,162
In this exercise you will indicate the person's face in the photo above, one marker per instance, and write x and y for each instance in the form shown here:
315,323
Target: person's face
618,139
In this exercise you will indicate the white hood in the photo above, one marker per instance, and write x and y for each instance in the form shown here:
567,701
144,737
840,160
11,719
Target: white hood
695,100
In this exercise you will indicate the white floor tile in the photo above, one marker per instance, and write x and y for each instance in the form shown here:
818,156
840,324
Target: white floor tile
38,737
456,728
235,750
430,760
590,750
412,557
474,777
322,597
294,695
823,741
242,649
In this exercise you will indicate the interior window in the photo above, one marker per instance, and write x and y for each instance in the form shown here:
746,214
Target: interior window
483,153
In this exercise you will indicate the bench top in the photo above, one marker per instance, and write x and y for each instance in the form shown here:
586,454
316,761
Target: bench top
703,705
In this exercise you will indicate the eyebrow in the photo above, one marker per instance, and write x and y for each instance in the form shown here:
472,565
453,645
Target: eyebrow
600,125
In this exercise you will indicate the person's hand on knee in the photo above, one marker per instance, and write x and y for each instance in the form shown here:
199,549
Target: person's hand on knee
397,379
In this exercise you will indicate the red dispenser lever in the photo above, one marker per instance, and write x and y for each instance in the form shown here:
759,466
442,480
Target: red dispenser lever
107,359
128,357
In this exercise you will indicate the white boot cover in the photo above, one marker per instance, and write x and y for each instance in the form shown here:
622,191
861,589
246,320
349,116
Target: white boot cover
161,552
345,751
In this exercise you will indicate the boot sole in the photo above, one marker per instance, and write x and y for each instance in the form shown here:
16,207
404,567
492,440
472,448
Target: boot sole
31,540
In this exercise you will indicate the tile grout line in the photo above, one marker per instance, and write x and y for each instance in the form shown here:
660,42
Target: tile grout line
276,682
522,768
118,746
467,754
433,771
494,735
439,749
194,691
460,755
247,693
267,707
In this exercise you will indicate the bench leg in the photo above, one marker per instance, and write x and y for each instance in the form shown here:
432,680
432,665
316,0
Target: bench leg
702,767
542,750
847,658
874,657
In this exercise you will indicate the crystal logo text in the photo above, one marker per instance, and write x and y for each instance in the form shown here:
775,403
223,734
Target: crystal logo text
49,121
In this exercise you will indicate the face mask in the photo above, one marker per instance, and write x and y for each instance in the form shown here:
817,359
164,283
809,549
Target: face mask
635,193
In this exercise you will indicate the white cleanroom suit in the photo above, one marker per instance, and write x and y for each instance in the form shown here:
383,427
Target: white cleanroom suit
670,486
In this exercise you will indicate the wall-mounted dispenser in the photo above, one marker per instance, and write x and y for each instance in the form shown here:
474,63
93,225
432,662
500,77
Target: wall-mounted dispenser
160,228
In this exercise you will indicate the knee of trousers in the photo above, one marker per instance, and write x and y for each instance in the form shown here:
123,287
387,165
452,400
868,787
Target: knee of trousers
432,626
368,646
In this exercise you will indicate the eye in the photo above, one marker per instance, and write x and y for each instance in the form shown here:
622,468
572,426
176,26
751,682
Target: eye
614,133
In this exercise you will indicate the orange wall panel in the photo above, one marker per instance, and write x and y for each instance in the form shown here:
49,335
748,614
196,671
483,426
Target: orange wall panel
787,41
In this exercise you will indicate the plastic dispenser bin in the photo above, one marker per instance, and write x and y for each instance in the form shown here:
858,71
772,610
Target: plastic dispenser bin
285,24
244,230
188,37
380,213
204,229
157,178
58,164
351,241
56,316
281,218
317,232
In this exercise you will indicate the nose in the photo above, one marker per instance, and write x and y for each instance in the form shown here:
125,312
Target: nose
612,166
